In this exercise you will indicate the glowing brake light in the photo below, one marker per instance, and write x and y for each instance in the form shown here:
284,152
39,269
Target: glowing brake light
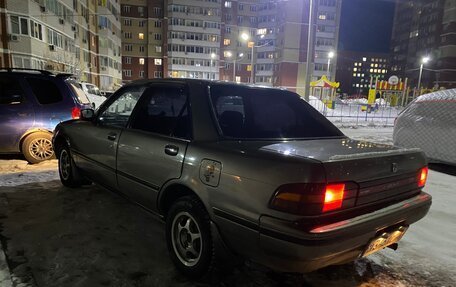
334,196
75,113
423,176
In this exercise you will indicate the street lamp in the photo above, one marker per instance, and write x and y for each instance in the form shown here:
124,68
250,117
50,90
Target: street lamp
213,56
423,61
330,56
239,57
246,37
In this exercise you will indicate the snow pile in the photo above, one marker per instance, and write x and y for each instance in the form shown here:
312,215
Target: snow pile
15,172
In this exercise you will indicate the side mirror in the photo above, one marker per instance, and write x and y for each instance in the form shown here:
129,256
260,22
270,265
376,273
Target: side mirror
87,114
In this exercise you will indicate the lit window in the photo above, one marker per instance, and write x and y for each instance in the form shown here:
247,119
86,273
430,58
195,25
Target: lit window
356,64
227,4
359,75
355,69
354,74
158,49
141,36
371,70
262,31
141,61
158,62
362,75
357,85
226,42
376,65
322,17
227,54
375,70
249,68
364,59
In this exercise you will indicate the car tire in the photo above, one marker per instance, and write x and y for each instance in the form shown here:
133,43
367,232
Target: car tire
189,239
37,147
68,172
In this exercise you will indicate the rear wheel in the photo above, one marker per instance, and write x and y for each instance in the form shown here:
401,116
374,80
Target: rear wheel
37,147
188,237
68,172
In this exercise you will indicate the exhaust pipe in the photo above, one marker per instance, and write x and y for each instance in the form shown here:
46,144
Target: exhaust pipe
393,246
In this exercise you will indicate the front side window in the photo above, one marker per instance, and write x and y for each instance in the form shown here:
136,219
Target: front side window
117,113
163,110
253,113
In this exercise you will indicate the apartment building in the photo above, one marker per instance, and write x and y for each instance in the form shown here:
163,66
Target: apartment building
218,39
63,36
356,69
425,29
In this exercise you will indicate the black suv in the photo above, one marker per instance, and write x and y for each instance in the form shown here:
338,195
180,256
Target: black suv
32,103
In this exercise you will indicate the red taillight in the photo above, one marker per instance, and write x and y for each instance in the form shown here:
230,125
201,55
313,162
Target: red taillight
312,198
75,113
334,196
422,176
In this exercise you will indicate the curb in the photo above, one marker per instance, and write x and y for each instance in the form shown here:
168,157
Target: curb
5,275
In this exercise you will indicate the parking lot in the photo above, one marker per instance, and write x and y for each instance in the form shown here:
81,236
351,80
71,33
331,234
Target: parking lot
55,236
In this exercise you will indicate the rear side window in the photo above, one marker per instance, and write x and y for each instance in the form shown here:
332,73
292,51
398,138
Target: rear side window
10,91
76,87
163,110
254,113
46,91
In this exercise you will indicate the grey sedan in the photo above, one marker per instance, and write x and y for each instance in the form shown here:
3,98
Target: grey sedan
249,172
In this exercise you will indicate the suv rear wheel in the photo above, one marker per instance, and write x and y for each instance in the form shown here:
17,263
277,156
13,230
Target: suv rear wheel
188,237
37,147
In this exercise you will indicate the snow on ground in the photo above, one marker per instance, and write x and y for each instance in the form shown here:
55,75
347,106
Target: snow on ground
56,236
17,171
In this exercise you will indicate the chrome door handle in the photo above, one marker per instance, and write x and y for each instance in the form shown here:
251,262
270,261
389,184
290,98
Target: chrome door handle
171,150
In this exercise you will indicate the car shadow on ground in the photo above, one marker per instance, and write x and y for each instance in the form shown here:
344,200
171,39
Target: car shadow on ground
443,168
56,236
11,156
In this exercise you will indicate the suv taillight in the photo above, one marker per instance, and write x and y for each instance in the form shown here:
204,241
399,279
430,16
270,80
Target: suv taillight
422,176
314,198
75,113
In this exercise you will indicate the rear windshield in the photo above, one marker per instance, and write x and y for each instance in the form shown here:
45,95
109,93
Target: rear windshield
258,113
76,87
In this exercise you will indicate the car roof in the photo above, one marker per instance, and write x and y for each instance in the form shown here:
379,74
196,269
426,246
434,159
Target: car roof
438,96
198,81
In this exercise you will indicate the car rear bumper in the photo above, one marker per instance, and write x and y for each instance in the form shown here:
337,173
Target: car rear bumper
289,249
285,246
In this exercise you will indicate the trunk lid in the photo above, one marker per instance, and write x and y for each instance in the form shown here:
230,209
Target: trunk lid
375,172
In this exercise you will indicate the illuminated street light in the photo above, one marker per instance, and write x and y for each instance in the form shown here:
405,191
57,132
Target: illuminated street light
245,36
213,56
424,60
331,55
229,55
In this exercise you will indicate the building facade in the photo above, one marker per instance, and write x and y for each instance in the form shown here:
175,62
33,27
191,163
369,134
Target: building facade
356,69
214,39
425,29
80,37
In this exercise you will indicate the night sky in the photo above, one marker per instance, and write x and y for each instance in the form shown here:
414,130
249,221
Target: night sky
366,25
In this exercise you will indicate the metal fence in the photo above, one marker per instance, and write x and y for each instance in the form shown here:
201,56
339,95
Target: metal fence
358,114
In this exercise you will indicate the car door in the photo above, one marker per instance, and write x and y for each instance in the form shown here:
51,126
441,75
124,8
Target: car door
94,144
16,113
152,149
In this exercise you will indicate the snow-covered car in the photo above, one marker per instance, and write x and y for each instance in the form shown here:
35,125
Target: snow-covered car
254,171
429,123
93,93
